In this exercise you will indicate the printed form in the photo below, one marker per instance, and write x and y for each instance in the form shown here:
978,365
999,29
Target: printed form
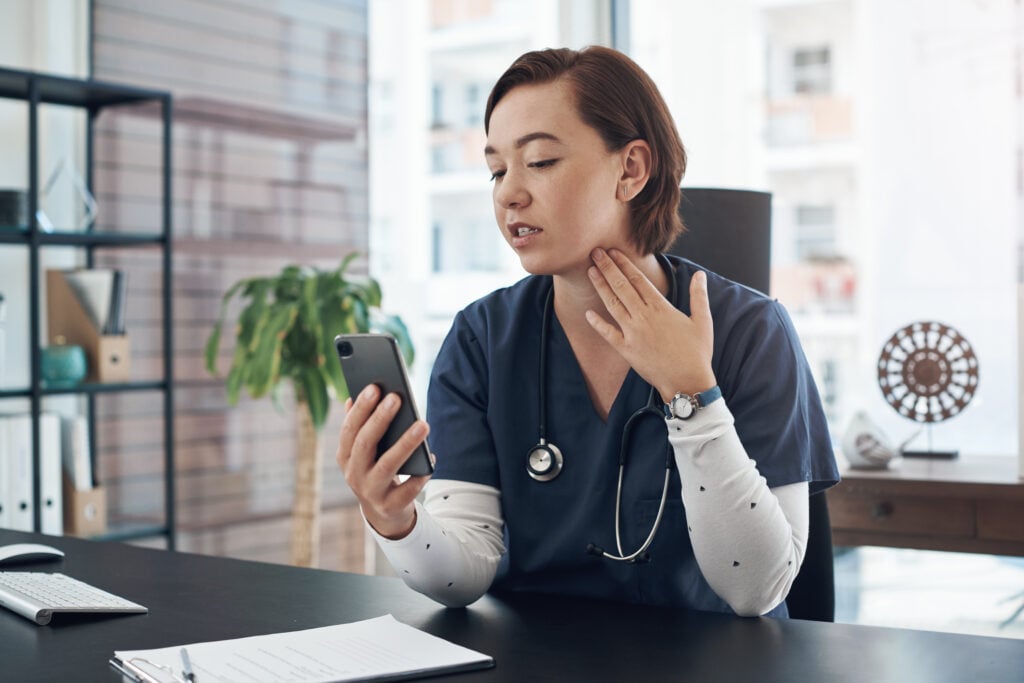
374,649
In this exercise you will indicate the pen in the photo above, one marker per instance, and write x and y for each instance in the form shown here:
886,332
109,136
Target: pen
186,667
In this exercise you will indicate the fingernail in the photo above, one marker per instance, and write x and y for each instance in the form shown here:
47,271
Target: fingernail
390,401
369,393
598,254
593,272
419,430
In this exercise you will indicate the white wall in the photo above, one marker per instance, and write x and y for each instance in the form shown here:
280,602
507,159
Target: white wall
50,36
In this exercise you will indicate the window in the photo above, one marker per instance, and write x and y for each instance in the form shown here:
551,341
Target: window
812,71
475,103
815,232
437,106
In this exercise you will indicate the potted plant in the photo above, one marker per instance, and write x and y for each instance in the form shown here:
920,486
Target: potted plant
285,332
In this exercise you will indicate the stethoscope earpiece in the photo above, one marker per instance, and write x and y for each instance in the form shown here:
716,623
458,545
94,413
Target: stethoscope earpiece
544,461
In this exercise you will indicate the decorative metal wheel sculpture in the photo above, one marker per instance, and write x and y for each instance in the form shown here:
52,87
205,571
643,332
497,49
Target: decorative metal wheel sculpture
928,372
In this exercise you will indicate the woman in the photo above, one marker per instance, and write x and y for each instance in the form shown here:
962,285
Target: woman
542,388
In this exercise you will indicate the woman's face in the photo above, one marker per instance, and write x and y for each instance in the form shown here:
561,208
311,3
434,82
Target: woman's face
555,185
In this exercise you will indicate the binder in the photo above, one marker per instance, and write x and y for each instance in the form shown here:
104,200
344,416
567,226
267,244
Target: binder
19,472
17,489
51,495
70,321
75,451
5,484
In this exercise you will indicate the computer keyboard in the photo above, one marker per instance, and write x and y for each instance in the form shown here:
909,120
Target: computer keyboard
37,596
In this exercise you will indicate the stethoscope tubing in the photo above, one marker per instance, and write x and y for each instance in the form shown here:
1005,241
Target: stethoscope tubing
552,452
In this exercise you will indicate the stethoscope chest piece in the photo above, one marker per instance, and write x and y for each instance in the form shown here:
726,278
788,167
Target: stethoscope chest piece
544,461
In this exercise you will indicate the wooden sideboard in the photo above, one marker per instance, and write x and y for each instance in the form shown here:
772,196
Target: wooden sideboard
973,504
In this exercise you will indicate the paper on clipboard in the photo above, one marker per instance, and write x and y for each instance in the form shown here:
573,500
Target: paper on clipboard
375,649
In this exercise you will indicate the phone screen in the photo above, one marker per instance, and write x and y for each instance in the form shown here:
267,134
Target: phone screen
375,359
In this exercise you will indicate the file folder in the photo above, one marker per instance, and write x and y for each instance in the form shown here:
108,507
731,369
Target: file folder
51,493
18,454
17,489
69,321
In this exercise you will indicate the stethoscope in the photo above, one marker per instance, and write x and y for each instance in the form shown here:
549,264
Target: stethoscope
544,461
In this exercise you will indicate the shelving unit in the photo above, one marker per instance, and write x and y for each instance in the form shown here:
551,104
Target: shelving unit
93,97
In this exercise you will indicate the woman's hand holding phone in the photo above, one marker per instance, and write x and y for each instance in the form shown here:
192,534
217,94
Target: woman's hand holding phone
387,502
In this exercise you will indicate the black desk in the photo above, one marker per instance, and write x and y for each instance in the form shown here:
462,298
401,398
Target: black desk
195,598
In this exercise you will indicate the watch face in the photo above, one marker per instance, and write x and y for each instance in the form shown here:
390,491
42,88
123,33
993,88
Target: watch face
681,407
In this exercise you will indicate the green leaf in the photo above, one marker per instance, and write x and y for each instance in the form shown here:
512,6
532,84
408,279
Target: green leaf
349,258
250,317
334,322
265,359
213,343
311,387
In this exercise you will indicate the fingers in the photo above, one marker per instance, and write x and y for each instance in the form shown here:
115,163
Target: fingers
617,289
393,458
387,502
356,414
625,278
609,332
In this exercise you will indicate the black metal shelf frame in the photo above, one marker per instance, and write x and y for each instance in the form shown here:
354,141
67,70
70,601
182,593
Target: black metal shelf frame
37,89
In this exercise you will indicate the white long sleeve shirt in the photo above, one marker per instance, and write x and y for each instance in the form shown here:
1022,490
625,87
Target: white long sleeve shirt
749,540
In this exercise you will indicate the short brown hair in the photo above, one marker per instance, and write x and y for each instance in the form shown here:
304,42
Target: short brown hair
620,101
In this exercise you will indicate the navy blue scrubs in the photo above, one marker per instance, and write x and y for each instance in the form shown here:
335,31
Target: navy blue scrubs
483,411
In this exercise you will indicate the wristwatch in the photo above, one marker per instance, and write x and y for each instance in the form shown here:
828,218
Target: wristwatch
683,406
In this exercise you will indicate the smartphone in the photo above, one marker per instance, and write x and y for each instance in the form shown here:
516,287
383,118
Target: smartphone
375,359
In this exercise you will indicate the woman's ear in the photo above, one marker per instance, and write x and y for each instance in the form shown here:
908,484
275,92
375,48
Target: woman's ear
636,169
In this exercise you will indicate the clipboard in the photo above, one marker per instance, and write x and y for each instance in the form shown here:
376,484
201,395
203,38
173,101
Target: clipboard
143,671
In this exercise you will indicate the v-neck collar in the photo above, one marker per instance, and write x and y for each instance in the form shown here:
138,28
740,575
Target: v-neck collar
575,384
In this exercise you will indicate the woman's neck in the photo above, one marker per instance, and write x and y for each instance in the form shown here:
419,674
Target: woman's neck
575,294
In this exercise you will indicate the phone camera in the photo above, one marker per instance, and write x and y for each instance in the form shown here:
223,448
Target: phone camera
345,349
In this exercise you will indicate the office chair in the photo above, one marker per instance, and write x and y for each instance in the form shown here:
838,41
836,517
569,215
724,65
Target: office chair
729,232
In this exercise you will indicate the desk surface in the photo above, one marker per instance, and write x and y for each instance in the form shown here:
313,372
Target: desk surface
999,474
532,638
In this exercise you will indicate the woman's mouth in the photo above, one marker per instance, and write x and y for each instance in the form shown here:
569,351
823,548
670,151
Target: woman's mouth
522,234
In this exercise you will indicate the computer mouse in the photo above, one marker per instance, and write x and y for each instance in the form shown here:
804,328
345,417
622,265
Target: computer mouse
28,552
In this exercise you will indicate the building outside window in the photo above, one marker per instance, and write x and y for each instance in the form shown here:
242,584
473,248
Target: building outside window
812,71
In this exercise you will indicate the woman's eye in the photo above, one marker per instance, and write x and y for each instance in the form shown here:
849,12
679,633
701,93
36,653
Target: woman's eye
497,175
544,163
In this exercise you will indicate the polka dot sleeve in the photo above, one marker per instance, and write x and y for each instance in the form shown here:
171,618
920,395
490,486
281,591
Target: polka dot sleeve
452,553
749,540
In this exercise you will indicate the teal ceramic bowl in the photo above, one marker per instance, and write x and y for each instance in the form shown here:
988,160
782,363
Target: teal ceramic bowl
63,366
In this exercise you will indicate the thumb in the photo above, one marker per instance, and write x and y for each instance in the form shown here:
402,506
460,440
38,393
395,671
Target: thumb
700,308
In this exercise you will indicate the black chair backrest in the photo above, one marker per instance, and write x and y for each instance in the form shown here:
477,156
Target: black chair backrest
813,593
730,233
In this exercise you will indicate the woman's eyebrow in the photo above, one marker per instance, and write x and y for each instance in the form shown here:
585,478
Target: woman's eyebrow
522,141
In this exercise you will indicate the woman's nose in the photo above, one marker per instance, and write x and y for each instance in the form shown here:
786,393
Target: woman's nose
510,192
